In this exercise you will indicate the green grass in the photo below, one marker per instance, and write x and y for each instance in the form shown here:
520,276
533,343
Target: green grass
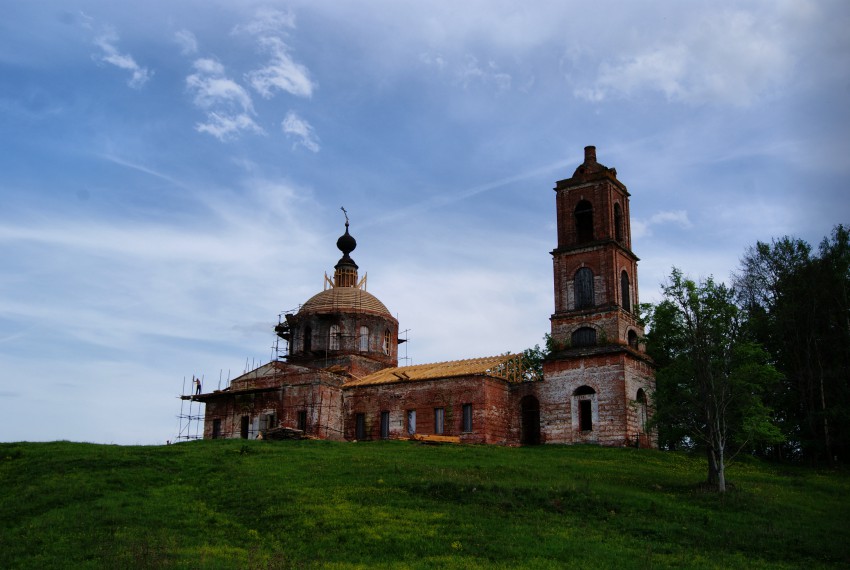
317,504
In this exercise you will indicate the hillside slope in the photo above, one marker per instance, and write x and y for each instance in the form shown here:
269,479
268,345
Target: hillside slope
254,504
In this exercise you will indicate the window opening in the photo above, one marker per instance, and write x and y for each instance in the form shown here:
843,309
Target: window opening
584,288
333,338
387,342
641,409
243,428
411,422
308,339
467,418
585,336
585,414
360,426
624,291
302,420
364,339
633,339
618,223
216,428
385,425
439,414
584,221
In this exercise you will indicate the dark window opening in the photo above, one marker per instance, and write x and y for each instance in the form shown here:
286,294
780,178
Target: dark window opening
439,416
216,429
633,339
308,339
385,425
302,420
584,288
360,426
584,221
641,410
624,292
585,415
530,413
585,336
467,418
618,223
246,423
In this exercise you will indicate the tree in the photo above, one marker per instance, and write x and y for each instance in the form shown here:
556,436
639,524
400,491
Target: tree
797,306
711,378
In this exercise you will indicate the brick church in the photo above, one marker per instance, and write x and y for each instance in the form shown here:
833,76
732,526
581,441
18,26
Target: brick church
340,378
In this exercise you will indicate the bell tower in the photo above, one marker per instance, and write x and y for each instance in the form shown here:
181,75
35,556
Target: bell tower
595,269
598,370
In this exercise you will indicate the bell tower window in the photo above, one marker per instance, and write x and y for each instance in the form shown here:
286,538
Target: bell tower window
585,336
584,222
618,223
584,288
624,292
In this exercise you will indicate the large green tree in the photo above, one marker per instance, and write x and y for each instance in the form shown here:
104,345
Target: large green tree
798,307
711,378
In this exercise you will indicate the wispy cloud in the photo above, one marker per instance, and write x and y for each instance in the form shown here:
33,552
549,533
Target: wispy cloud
301,130
280,73
187,41
229,106
470,71
642,228
107,41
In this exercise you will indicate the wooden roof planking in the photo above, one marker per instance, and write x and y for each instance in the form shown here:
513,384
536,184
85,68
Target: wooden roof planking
508,367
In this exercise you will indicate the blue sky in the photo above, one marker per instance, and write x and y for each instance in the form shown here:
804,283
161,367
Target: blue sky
172,172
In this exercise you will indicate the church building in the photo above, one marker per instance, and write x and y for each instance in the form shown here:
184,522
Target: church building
340,378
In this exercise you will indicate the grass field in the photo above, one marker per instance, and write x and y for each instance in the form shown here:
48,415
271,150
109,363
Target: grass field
317,504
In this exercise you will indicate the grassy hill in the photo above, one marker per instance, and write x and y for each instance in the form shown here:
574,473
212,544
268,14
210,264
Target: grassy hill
317,504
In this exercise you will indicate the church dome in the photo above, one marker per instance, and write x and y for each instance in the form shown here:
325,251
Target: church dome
344,299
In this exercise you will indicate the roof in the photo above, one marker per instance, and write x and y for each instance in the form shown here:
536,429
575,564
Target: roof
507,367
344,298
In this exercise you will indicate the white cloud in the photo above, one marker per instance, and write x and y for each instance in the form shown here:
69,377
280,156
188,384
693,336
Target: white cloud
106,42
727,57
225,127
229,106
281,72
187,41
643,228
295,125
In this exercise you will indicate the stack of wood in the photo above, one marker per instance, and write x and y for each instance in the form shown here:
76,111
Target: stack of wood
280,433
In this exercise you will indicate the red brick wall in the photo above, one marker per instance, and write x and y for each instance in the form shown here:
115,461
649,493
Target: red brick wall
488,396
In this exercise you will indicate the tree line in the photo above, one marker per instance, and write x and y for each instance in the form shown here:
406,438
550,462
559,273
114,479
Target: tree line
760,366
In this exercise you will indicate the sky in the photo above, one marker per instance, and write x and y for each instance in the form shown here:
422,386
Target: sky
172,173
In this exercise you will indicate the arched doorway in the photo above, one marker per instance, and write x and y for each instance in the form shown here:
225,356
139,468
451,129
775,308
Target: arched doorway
530,428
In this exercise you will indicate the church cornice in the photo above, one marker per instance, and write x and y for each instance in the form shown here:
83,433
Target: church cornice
595,246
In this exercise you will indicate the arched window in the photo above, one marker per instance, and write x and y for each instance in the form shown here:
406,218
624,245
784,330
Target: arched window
585,399
333,338
585,336
387,342
618,223
633,339
308,339
640,400
584,221
624,291
584,288
363,340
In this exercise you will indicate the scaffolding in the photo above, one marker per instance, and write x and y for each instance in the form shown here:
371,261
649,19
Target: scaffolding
191,418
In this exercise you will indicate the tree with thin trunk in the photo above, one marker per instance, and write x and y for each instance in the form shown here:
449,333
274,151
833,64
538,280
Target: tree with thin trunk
711,378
